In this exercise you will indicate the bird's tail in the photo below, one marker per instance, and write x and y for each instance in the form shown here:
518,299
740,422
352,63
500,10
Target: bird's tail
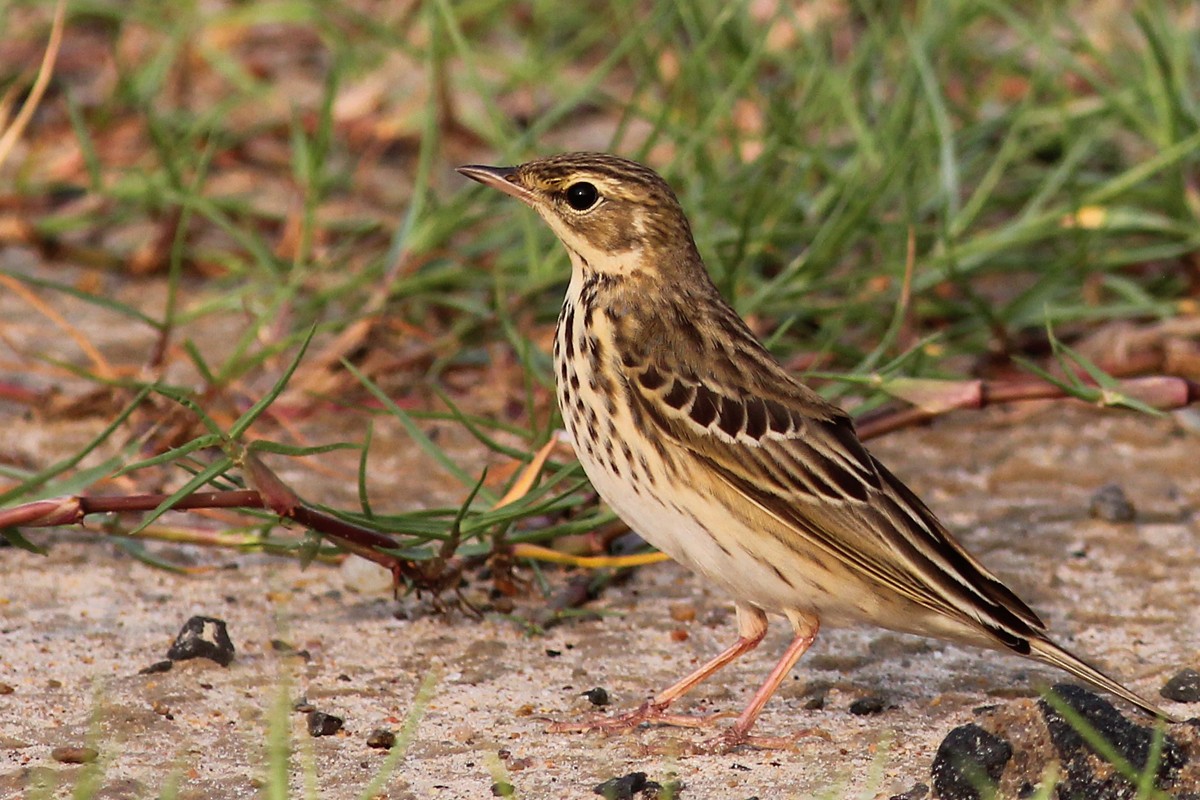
1050,653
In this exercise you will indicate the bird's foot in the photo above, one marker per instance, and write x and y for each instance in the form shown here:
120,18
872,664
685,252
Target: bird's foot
735,738
732,740
647,713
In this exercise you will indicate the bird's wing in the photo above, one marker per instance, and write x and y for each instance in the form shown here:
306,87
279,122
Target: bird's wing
798,458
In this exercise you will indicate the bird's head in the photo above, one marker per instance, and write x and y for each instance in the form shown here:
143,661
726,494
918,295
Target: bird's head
613,215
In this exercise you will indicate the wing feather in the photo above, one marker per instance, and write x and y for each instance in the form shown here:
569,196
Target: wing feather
799,459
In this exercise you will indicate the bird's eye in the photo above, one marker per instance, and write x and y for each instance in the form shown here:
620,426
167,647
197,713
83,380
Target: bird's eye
582,196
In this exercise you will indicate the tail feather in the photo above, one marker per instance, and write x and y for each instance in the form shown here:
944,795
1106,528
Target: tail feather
1050,653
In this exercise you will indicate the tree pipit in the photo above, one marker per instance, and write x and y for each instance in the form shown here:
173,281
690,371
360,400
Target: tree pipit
705,445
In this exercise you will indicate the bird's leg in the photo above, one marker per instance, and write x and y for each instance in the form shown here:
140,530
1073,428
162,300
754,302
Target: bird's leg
752,627
806,627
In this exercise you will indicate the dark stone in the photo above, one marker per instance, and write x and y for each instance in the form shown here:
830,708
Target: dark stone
203,637
1110,504
597,696
1132,742
322,724
866,706
381,739
625,787
158,666
1184,687
626,544
969,763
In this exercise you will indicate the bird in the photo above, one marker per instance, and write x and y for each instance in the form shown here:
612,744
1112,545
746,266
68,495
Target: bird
708,448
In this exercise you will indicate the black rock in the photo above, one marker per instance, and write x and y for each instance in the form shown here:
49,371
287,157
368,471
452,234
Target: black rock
597,696
322,724
1184,687
969,759
203,637
866,706
1134,743
625,787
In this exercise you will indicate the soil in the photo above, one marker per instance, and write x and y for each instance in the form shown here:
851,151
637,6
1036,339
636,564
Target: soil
77,625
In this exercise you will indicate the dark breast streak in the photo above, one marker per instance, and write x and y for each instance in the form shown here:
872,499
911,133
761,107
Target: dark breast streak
606,425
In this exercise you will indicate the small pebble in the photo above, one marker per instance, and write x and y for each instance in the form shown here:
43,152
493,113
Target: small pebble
74,755
683,612
365,577
203,637
381,739
158,666
322,724
1184,687
6,688
503,789
1110,504
626,544
597,696
866,706
625,787
504,605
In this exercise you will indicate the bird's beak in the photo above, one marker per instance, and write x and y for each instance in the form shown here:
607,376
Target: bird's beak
502,178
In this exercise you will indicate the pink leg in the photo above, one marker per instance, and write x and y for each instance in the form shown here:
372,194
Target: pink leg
806,627
752,627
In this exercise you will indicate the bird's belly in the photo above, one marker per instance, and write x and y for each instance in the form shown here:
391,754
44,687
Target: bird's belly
704,537
698,531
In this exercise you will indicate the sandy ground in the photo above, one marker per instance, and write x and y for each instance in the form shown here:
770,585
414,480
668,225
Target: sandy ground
76,626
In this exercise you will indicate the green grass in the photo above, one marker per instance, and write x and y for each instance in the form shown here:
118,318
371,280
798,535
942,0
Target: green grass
1041,159
808,147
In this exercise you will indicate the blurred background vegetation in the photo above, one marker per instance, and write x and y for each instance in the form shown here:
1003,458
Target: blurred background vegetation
883,189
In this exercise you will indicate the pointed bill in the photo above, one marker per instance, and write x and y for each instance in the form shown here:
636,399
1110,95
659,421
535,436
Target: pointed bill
498,178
